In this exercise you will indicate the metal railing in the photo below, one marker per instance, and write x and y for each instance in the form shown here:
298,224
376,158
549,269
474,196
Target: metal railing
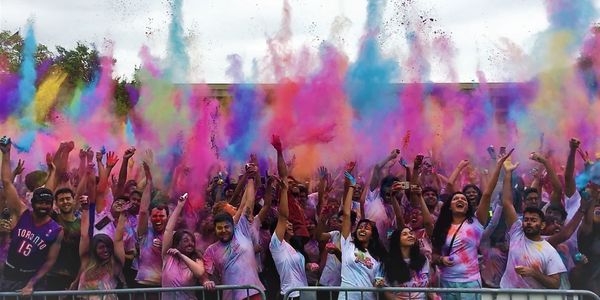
328,293
137,293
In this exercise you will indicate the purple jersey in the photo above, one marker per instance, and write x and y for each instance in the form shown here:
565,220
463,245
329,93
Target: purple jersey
29,247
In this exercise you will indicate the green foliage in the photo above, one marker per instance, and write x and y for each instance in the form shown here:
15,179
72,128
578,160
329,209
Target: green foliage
11,45
80,63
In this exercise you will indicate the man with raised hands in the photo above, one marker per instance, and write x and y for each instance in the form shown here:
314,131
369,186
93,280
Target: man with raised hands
36,238
532,262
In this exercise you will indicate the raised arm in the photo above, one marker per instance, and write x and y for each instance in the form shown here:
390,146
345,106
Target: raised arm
482,212
142,226
268,199
283,211
592,195
119,234
123,171
510,214
398,211
569,229
321,192
557,190
18,169
13,202
51,181
84,241
282,169
428,223
377,174
570,169
167,240
111,161
347,205
450,185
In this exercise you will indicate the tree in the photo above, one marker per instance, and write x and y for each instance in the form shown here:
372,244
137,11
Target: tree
11,45
80,63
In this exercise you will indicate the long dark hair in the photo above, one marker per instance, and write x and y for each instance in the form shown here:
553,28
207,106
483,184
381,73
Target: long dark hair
396,269
178,236
442,225
375,247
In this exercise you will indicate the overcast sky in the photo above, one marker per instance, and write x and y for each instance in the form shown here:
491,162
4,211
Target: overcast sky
479,29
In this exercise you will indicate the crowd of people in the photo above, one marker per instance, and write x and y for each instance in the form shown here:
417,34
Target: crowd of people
393,225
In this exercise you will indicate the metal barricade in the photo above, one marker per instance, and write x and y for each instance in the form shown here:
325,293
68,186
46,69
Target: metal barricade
135,294
329,293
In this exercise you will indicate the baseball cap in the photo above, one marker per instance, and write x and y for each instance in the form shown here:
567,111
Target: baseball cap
42,194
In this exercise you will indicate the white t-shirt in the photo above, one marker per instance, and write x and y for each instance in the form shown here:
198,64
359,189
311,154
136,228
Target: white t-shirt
525,252
359,269
332,272
290,265
463,251
110,228
572,206
418,279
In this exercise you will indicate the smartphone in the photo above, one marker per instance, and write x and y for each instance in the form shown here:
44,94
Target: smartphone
102,223
5,140
502,151
491,151
405,185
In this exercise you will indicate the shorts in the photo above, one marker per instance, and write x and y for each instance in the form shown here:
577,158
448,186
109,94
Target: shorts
460,285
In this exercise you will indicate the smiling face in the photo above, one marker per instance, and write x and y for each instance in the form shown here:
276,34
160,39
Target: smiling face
289,229
42,208
472,196
65,202
103,252
415,219
407,238
364,231
135,199
430,198
459,204
158,218
187,244
224,231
